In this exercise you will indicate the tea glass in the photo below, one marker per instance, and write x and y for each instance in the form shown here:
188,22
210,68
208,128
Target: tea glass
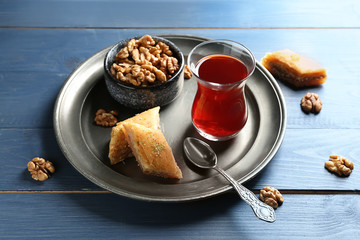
219,110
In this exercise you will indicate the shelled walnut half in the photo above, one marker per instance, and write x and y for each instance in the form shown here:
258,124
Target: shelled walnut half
106,119
271,196
40,168
187,72
311,103
339,165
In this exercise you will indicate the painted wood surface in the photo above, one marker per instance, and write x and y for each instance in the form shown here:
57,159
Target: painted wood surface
36,62
300,161
42,42
107,216
180,14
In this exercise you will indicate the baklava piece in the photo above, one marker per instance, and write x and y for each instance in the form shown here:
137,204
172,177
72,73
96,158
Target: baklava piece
292,68
151,150
119,149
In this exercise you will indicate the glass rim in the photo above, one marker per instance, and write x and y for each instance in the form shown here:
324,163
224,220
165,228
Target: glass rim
214,84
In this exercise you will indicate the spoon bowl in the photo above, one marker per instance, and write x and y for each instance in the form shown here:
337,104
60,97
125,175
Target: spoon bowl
199,154
202,155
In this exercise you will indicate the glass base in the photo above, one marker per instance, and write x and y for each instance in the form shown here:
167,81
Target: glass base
215,138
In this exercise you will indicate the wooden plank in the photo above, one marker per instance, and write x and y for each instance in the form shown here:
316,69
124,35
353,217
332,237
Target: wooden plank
32,71
106,216
300,161
19,146
180,14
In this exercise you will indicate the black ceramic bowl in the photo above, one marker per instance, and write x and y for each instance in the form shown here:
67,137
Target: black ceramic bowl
139,97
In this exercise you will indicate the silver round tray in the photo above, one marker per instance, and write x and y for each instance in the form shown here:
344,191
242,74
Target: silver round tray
85,144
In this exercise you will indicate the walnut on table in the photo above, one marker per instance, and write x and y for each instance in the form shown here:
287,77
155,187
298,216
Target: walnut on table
311,103
40,168
106,119
271,196
339,165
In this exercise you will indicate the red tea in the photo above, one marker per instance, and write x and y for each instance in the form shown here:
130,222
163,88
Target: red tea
220,110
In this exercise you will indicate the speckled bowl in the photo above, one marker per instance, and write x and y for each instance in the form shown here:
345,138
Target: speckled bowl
138,97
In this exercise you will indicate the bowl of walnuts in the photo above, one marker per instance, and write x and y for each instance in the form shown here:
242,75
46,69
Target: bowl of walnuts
144,72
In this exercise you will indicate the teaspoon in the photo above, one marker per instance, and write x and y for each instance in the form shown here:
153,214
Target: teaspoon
203,156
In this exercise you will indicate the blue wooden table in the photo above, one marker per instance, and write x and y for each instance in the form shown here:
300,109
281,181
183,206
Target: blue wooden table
42,42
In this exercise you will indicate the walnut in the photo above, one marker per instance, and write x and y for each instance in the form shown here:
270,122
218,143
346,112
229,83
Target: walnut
40,169
135,54
132,44
187,72
311,103
339,165
129,78
169,65
124,60
159,74
124,53
146,41
145,53
149,76
121,67
271,196
164,48
155,51
106,119
144,62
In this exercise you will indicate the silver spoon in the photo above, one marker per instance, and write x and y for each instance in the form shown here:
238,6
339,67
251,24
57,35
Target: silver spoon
203,156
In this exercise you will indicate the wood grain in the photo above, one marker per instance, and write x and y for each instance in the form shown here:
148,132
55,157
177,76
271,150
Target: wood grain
34,75
43,41
18,147
180,14
298,165
300,160
106,216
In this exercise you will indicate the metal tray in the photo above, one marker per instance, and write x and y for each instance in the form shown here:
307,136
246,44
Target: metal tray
85,145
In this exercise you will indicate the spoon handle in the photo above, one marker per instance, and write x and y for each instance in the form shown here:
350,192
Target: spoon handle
261,210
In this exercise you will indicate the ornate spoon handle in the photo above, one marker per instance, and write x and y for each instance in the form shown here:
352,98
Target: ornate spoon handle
261,210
